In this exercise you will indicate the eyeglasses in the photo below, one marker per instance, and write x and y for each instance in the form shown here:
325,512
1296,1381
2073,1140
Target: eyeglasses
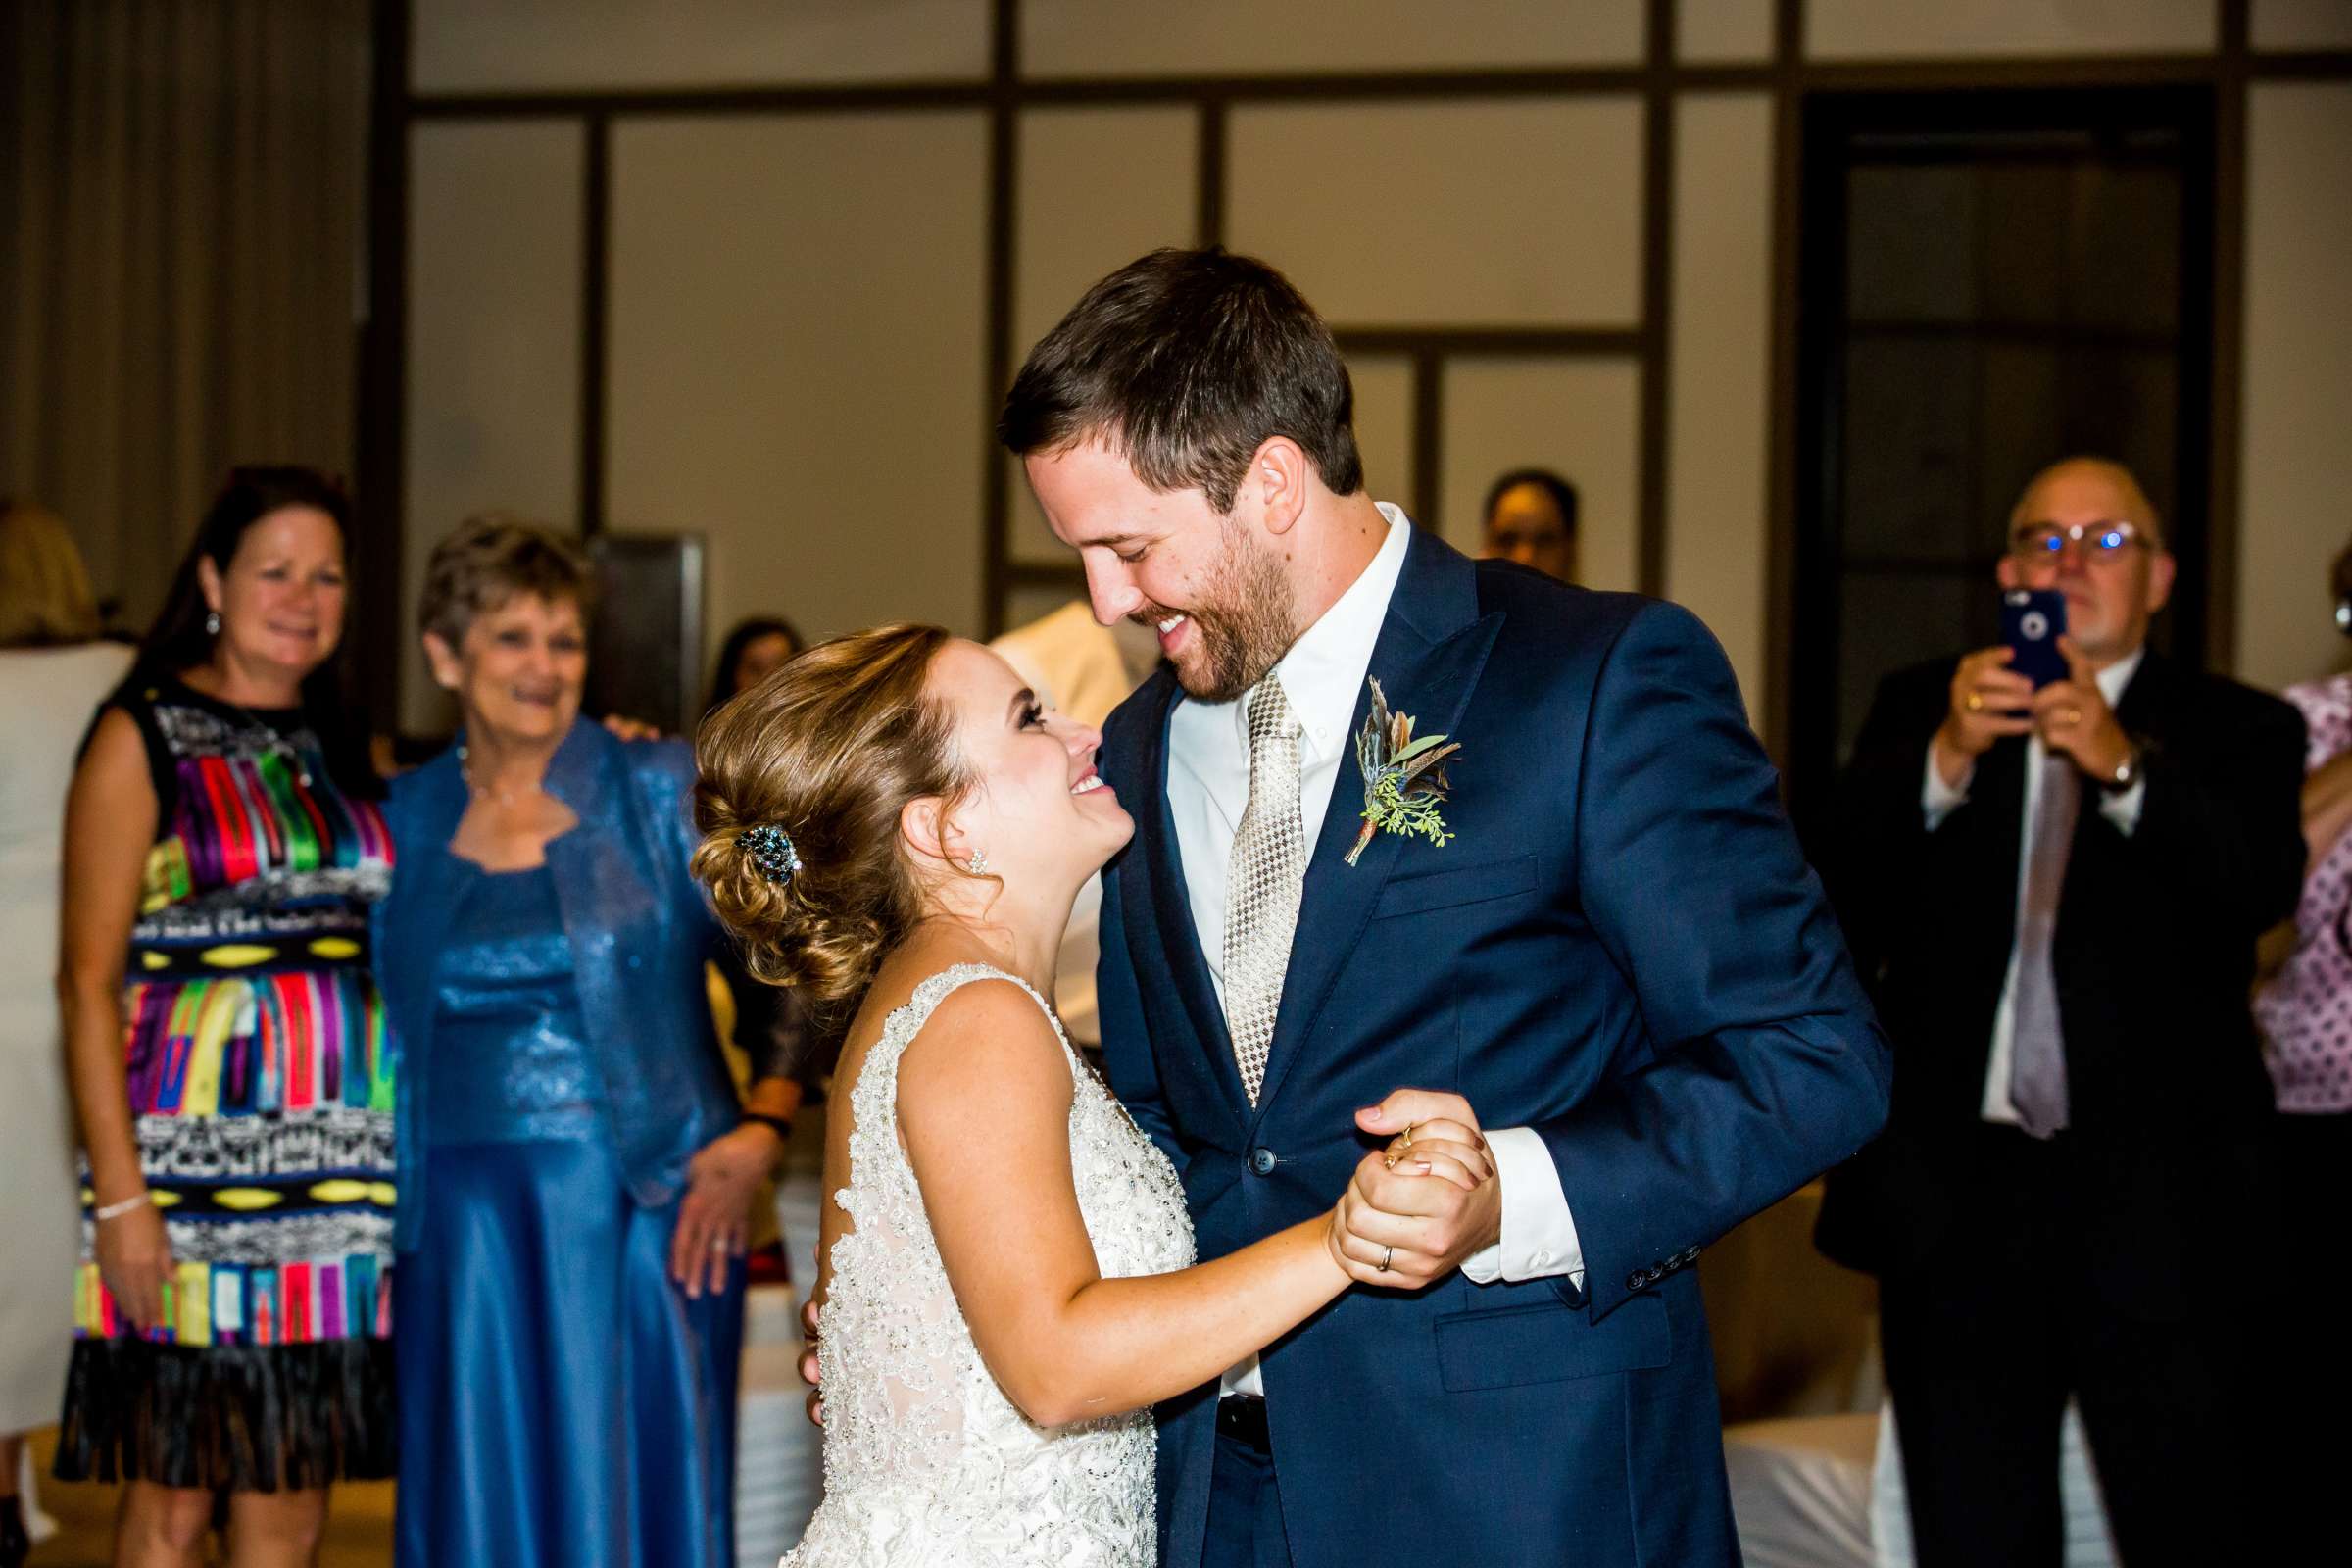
2100,541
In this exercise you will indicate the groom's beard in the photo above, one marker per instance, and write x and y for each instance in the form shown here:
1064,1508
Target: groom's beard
1244,621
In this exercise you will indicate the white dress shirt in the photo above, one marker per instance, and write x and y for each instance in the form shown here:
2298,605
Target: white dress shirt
1208,785
2120,807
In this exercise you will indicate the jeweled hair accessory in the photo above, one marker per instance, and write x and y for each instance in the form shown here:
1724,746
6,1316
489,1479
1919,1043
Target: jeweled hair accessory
771,851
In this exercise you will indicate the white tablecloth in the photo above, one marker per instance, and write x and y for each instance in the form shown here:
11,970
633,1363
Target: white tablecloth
1827,1491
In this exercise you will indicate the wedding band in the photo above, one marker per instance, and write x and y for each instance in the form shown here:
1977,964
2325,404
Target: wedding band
1391,1158
2073,716
1386,1253
1409,1135
1975,702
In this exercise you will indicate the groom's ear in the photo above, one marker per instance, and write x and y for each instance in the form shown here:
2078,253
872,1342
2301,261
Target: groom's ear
1277,481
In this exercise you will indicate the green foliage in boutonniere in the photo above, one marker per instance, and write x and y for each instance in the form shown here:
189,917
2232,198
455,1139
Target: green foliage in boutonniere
1404,779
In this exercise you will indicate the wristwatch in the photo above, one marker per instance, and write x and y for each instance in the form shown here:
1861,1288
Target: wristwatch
2126,774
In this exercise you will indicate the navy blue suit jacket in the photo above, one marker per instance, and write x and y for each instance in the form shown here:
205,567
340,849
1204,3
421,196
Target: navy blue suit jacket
1624,950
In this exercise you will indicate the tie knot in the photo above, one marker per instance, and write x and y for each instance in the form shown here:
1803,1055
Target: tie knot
1269,713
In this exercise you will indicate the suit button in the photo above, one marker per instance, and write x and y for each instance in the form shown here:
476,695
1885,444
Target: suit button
1541,1260
1261,1160
1636,1280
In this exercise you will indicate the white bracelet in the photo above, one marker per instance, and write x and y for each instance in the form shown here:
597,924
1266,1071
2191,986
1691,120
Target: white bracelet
117,1211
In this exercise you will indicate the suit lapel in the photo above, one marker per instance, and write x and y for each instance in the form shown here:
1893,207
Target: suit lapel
2148,695
1432,646
1172,913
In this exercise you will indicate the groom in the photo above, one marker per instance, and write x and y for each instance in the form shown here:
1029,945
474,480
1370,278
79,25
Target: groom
1616,962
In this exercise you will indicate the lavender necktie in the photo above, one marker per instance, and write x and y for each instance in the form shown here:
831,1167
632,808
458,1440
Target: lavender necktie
2038,1045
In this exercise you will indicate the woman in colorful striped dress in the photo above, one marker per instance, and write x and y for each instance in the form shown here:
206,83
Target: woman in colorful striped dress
223,845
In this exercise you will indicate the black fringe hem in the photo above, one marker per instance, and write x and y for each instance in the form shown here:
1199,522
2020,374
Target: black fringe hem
242,1418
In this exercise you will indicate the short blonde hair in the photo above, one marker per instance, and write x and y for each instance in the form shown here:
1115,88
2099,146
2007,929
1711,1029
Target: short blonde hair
45,597
491,559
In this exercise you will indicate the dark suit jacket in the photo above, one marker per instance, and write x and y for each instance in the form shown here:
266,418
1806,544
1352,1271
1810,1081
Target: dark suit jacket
2154,954
1622,949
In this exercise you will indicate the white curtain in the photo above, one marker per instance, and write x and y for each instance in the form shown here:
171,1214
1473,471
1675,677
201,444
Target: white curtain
181,211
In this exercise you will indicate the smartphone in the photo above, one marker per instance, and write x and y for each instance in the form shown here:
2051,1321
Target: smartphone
2032,620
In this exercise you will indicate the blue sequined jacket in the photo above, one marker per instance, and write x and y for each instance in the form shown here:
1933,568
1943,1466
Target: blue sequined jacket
640,933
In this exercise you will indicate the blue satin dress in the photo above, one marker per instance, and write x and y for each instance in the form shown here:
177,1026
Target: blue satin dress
561,1399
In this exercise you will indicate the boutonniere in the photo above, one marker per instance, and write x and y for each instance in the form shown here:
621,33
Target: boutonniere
1404,778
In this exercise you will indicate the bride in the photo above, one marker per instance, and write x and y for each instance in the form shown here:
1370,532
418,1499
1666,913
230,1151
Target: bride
892,823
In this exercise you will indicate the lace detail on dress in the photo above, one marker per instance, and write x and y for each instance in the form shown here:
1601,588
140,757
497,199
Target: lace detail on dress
926,1460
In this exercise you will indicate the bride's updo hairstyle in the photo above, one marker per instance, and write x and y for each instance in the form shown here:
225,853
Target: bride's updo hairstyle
828,750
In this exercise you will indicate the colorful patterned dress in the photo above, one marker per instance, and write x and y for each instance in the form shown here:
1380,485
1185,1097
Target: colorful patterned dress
261,1087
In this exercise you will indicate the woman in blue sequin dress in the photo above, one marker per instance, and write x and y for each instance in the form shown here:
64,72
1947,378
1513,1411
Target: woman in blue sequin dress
577,1169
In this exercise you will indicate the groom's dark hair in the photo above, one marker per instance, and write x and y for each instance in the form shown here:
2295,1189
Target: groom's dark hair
1185,362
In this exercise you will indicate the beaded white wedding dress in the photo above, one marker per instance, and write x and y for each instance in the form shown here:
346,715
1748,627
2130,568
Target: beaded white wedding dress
927,1461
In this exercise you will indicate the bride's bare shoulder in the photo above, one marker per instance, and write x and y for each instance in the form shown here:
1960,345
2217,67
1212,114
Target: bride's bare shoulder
903,969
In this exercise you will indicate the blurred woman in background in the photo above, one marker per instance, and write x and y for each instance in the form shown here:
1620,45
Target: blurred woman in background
226,1051
2305,1012
754,1021
576,1166
53,672
754,650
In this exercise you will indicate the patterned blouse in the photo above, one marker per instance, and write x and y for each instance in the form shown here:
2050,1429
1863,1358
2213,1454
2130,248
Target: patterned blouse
2305,1012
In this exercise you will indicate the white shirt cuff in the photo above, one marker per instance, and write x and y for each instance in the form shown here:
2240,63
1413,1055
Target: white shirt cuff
2122,808
1938,799
1538,1234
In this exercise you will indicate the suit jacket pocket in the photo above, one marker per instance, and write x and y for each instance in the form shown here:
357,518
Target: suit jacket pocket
1549,1344
1453,885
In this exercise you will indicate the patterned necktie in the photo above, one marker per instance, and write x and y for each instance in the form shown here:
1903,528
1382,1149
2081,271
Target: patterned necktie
1264,880
2037,1046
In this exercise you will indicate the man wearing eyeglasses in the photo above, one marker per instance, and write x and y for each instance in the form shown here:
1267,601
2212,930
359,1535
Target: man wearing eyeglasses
2056,895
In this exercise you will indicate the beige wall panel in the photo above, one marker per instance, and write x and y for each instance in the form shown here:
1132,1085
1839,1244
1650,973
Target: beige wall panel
2296,468
1251,38
1383,425
1025,605
1518,213
796,364
493,46
1580,417
1865,30
1028,539
494,330
1718,372
2301,25
1099,187
1708,31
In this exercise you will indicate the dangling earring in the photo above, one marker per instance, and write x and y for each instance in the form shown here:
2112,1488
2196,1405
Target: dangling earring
978,863
212,623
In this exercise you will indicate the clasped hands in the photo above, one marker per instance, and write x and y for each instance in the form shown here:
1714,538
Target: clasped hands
1419,1208
1989,702
1415,1210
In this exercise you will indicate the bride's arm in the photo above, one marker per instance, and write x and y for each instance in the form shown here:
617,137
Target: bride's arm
984,1107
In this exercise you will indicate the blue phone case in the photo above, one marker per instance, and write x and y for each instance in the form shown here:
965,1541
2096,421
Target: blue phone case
2032,620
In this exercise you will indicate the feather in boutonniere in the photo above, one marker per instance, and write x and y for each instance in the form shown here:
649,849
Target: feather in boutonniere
1404,779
